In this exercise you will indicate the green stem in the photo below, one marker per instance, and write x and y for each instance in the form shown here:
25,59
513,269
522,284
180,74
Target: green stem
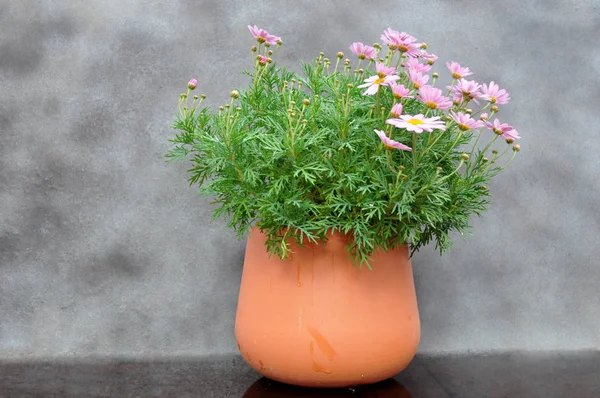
454,172
511,159
414,150
452,147
377,110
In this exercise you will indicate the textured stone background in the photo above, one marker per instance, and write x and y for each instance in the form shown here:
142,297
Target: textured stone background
104,250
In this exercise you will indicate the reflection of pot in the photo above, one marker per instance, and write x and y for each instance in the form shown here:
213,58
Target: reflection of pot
266,388
316,320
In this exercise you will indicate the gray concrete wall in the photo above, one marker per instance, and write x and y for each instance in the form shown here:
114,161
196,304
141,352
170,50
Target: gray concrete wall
106,251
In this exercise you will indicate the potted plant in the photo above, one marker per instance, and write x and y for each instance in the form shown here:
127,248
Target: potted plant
340,174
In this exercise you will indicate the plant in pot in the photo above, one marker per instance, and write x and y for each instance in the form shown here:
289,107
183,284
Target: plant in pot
339,174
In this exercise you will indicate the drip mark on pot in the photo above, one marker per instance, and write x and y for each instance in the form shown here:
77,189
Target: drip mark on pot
298,269
317,367
239,346
262,365
322,343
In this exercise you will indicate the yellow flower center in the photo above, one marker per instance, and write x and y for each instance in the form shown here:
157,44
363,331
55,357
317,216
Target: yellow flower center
431,105
463,127
402,48
379,81
415,122
493,99
456,75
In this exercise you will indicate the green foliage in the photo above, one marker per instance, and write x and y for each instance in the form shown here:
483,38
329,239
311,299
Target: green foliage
297,155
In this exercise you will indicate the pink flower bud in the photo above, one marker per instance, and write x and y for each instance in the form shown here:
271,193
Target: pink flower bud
192,84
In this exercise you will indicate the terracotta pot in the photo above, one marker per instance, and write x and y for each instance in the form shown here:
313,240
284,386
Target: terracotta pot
316,320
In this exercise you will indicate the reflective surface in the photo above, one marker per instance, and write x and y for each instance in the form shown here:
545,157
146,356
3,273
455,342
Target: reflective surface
490,376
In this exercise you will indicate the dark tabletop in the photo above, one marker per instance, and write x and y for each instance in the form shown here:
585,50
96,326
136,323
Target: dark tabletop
527,375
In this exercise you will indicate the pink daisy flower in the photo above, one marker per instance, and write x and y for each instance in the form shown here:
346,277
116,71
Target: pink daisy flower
374,82
503,129
417,123
418,78
262,60
396,110
432,98
465,122
391,144
192,84
467,89
493,94
458,72
383,71
363,51
262,36
399,91
431,58
414,64
401,41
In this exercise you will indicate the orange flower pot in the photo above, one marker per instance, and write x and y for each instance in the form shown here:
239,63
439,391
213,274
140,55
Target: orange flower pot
316,320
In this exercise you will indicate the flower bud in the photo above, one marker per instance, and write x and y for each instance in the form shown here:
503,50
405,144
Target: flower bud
304,121
306,101
510,140
435,75
361,71
234,94
227,106
221,108
381,60
517,148
423,46
253,49
350,85
346,61
322,54
238,109
202,96
495,152
195,98
404,177
464,156
292,103
269,60
279,42
401,167
340,55
326,60
377,46
183,95
469,111
494,108
485,160
439,170
293,81
267,45
192,84
483,116
270,52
